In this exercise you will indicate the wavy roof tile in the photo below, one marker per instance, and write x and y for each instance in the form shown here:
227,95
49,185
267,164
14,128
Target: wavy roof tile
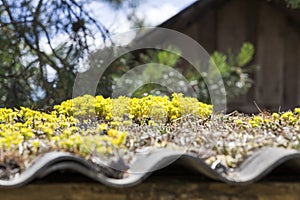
254,168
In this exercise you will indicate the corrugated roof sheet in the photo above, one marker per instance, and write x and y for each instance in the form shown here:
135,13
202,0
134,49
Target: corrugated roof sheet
255,167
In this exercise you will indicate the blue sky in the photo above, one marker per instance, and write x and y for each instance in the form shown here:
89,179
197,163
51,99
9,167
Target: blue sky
153,11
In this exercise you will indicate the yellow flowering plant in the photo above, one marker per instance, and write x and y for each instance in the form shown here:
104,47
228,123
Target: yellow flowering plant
90,126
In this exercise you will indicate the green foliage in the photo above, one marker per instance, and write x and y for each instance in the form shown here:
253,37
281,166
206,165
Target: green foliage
161,57
29,50
233,71
221,62
245,55
26,65
30,54
154,72
15,76
131,60
293,3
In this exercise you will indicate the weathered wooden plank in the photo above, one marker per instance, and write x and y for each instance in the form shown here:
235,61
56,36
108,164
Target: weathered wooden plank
167,188
244,103
252,25
231,26
270,57
192,31
230,23
203,30
207,31
252,20
232,30
182,20
291,68
298,78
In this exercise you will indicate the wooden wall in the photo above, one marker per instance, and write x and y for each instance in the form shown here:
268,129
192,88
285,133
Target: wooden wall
180,188
275,32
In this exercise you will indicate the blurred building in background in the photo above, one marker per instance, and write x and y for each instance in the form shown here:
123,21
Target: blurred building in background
274,30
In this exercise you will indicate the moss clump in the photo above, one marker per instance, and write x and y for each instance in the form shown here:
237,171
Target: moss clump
87,126
154,107
98,127
26,134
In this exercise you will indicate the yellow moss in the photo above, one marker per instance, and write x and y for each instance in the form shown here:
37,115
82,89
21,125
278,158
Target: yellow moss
275,116
101,127
286,115
25,128
297,111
